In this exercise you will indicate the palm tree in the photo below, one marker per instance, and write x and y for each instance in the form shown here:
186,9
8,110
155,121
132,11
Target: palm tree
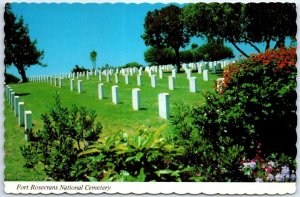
93,57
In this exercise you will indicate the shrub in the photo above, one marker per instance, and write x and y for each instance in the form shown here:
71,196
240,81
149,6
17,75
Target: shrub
258,101
213,157
79,69
142,156
66,133
9,78
255,107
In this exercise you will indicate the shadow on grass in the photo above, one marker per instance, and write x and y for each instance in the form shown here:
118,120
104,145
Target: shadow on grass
22,94
143,108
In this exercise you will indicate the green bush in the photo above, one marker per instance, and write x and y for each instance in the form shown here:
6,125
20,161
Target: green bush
258,101
254,109
213,157
142,156
9,78
66,133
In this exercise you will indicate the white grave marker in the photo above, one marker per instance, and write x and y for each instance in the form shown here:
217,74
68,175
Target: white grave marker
79,88
21,113
17,98
164,105
205,75
193,84
136,103
115,95
101,91
171,82
153,81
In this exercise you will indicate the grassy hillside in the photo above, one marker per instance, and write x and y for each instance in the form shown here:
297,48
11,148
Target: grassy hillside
38,97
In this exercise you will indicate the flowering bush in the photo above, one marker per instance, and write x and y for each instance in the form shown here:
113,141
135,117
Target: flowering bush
257,102
270,170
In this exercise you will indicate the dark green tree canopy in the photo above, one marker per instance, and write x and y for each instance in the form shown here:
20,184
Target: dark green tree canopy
20,50
164,29
159,56
242,23
78,68
213,51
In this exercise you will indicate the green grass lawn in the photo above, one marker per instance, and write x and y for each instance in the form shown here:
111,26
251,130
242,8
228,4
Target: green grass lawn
38,97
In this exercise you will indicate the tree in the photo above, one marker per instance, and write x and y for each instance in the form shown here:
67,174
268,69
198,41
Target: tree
20,50
79,69
159,56
93,57
213,51
242,23
131,65
164,29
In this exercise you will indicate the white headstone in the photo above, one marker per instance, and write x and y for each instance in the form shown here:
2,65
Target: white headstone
107,77
139,80
213,67
164,105
28,120
79,88
16,105
199,68
12,100
60,82
160,73
87,76
171,82
205,75
193,84
115,94
72,84
126,79
136,103
153,81
188,73
100,76
116,78
174,72
21,113
100,91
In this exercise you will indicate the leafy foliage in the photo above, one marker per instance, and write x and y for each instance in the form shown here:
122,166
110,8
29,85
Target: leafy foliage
164,29
20,50
261,93
256,110
242,23
131,65
213,51
79,69
213,157
159,56
142,156
9,78
66,133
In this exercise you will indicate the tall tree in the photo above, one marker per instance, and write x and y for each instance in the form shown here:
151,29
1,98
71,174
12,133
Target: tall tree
93,57
242,23
20,50
164,29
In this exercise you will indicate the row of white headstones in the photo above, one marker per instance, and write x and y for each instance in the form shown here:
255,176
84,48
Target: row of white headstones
24,117
163,98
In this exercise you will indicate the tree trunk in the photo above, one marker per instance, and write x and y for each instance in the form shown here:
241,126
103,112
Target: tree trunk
240,50
268,44
280,42
22,72
177,59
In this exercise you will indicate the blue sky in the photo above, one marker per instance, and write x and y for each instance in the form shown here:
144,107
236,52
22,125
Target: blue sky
69,32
